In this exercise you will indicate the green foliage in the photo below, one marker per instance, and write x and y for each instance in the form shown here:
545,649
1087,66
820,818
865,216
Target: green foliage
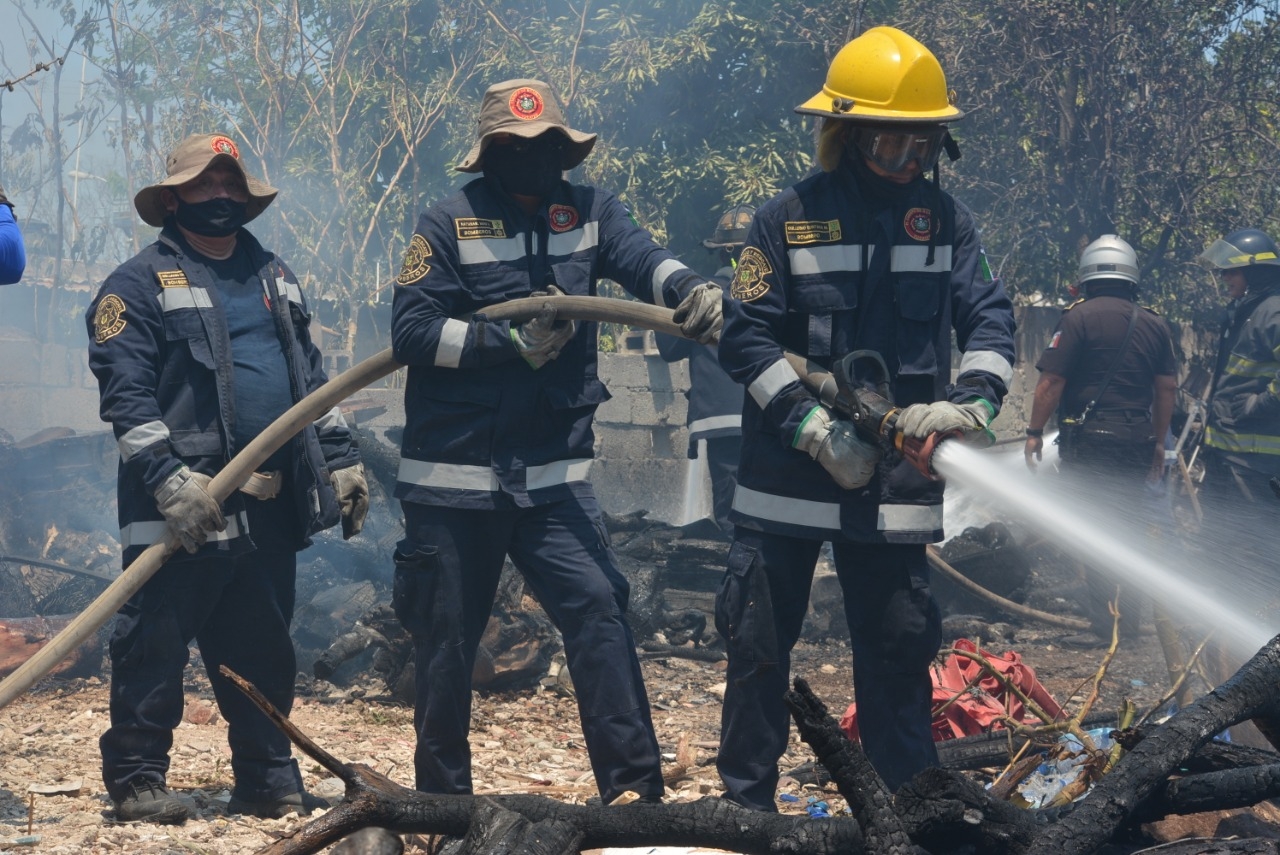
1154,121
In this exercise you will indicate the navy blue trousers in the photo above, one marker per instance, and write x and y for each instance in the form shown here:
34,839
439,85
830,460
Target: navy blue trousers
895,631
447,572
238,612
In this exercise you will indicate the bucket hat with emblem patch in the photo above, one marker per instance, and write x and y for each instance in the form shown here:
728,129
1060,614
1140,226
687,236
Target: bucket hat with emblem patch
191,157
523,108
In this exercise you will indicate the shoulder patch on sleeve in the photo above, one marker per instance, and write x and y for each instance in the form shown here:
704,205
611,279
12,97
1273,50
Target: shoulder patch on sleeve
1053,342
802,232
172,279
749,282
415,264
108,320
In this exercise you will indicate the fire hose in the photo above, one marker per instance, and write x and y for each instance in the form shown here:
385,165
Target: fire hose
873,414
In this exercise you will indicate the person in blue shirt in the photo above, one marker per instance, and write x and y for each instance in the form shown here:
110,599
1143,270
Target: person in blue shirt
13,252
199,342
498,439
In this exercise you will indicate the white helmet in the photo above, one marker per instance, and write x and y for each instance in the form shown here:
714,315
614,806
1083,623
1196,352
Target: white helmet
1108,257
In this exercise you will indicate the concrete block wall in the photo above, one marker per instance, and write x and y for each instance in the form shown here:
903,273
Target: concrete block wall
641,442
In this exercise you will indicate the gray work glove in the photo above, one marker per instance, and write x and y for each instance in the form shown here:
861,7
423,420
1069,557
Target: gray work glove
4,200
834,444
184,500
701,313
540,338
920,421
353,498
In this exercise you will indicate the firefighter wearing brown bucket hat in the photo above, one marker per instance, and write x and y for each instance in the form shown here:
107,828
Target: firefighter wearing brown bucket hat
199,342
498,439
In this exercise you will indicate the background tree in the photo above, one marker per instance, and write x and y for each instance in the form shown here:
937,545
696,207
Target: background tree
1153,120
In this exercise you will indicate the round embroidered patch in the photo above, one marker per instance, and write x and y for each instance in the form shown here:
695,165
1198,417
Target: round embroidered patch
748,283
223,145
562,217
526,103
415,264
918,222
108,320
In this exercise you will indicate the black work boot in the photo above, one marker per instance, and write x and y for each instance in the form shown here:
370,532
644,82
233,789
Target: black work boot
151,801
301,803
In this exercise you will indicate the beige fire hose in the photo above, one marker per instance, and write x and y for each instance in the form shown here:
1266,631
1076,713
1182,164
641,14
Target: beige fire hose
294,420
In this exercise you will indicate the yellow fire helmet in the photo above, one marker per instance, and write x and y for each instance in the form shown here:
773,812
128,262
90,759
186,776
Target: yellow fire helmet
884,76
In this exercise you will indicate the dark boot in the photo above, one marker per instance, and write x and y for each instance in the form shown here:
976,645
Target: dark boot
151,801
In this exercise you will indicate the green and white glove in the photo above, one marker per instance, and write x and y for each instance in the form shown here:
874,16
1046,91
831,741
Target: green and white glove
920,421
184,500
701,313
838,448
540,339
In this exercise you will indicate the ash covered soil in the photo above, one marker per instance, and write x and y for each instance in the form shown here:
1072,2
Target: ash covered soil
524,741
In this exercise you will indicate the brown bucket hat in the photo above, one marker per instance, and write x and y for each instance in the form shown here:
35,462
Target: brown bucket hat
191,157
523,108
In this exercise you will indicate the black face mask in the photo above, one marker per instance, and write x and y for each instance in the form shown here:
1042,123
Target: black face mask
527,167
212,218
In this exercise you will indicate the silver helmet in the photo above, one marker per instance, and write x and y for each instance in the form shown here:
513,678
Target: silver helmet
1108,257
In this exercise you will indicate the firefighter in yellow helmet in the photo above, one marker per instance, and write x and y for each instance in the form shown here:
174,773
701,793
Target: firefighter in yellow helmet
867,254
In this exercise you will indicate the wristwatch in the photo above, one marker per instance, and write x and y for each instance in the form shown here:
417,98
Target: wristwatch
1035,432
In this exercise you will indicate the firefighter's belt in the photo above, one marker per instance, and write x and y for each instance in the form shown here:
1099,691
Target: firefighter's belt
263,485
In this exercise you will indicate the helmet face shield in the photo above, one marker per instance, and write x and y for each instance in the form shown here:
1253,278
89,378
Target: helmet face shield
1225,255
892,149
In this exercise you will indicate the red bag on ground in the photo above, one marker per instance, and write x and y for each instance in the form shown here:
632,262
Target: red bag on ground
985,705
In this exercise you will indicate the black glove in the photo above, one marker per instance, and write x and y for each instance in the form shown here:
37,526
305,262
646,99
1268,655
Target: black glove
1248,406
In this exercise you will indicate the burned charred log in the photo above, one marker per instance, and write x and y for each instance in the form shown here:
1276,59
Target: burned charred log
1249,694
867,795
497,831
941,809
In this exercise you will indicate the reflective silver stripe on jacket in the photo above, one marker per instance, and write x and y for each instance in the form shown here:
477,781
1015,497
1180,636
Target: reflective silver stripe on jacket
715,423
783,509
143,436
988,361
775,378
577,240
917,518
911,259
660,277
491,250
559,472
172,299
453,338
826,515
147,532
813,260
461,476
